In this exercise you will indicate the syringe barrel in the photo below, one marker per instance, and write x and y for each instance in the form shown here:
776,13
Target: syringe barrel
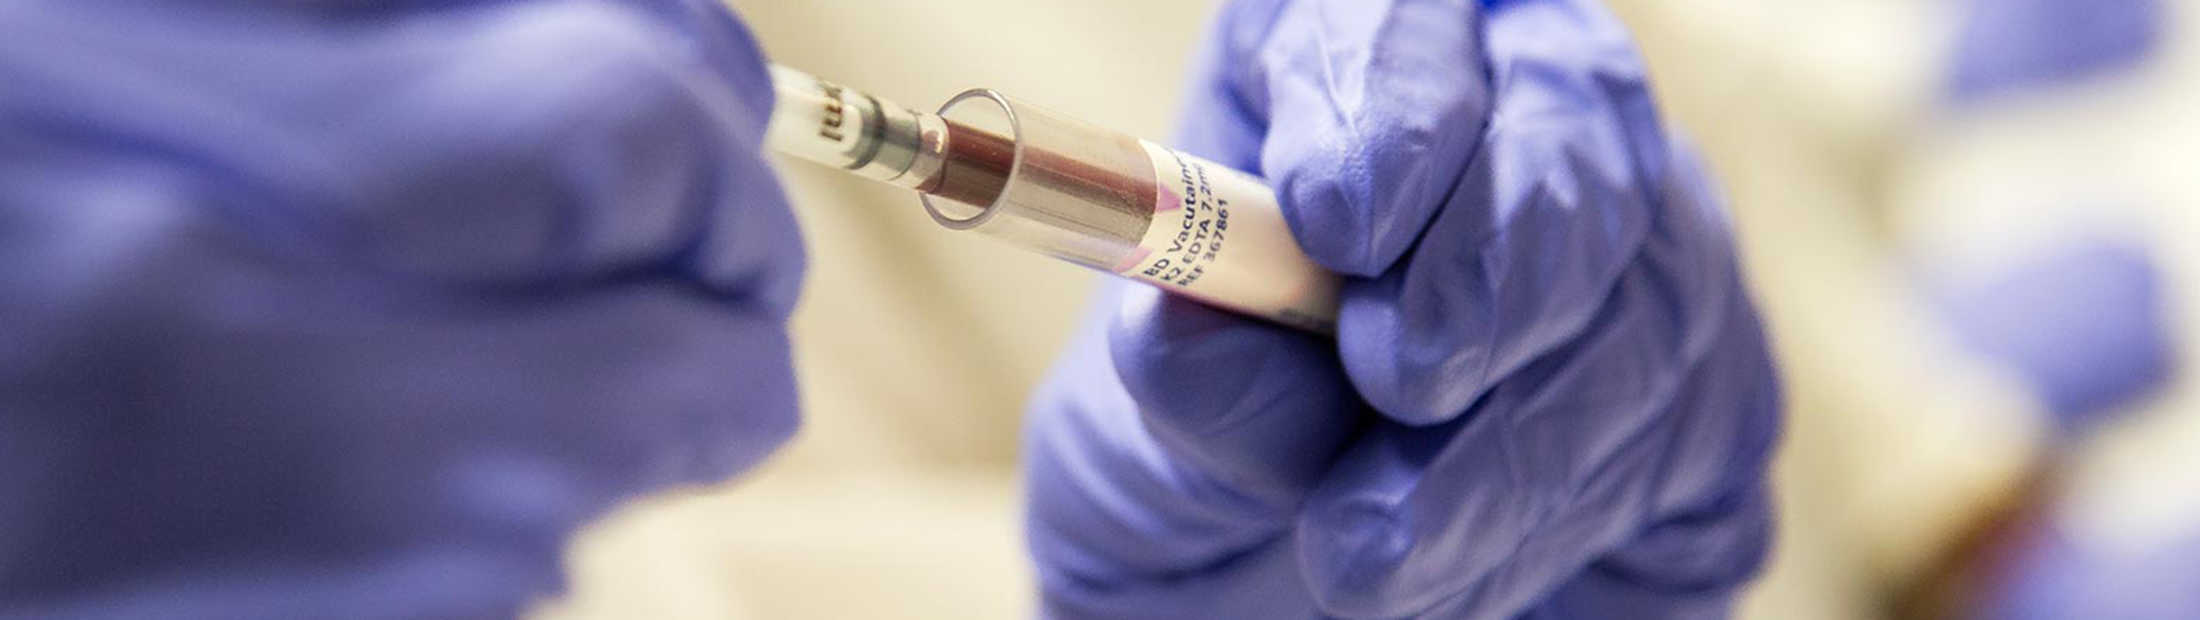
1126,206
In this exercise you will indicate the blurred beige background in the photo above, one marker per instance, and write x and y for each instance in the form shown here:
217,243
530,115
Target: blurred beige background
917,345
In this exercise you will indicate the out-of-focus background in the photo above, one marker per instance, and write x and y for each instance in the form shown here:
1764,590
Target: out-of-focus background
1973,226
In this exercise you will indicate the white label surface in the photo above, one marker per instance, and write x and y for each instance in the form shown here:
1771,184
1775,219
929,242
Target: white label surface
1217,236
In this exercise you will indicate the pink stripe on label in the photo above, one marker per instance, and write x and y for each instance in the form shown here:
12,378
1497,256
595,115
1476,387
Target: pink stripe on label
1167,199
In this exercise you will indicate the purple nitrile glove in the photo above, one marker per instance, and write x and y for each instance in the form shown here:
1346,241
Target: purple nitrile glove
1548,396
359,309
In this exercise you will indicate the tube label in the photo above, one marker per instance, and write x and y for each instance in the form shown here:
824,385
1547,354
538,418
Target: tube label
1218,236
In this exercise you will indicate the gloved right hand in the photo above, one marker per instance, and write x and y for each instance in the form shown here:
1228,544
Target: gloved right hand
1548,394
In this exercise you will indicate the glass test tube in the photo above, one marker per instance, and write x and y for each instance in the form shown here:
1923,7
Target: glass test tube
1026,175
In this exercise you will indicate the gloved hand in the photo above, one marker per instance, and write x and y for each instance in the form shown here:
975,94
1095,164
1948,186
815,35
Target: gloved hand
358,309
1548,395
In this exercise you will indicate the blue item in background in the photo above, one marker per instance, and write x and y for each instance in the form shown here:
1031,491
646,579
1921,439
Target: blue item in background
359,309
2051,577
1549,395
2083,326
2009,47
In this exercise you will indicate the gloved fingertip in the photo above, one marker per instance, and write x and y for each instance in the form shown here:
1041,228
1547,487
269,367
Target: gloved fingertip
1364,533
1417,354
1372,112
1350,552
1413,395
1257,406
1189,364
1330,210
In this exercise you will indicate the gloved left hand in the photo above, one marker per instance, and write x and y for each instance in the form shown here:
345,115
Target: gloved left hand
359,309
1548,395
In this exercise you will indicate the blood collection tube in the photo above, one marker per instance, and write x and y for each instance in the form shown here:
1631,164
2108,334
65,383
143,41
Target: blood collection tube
1026,175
